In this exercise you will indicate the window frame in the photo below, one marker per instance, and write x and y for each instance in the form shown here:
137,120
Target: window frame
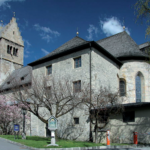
49,72
124,88
76,120
139,90
79,62
75,89
15,51
128,116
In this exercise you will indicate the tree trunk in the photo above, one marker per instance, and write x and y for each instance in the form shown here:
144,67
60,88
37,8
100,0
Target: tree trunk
96,134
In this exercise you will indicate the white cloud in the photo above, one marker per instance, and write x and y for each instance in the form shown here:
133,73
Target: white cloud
44,51
92,30
27,46
111,26
5,4
46,32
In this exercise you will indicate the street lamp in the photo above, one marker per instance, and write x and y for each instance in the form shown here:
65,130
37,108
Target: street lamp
24,112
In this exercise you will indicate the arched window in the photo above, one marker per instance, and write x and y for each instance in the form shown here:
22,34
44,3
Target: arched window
14,51
122,87
140,92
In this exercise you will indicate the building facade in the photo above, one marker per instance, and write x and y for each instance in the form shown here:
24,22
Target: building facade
115,62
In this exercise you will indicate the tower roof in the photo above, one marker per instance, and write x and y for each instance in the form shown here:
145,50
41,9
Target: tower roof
11,32
121,45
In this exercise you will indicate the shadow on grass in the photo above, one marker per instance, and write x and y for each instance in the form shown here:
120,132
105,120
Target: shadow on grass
37,138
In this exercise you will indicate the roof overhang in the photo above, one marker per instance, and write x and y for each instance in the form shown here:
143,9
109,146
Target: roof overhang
78,48
131,57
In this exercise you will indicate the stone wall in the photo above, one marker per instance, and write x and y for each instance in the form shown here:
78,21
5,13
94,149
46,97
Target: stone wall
6,68
104,73
128,72
122,132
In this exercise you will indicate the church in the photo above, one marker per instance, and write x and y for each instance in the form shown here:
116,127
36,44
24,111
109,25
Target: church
116,62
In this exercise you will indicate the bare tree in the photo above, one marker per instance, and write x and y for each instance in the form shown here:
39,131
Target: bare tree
103,104
48,96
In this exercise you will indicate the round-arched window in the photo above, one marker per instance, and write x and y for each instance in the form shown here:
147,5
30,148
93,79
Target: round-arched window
139,81
122,87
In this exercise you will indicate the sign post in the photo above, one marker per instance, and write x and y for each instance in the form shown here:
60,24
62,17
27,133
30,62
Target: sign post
16,131
52,126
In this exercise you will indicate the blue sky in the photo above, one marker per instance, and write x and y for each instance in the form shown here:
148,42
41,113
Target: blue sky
47,24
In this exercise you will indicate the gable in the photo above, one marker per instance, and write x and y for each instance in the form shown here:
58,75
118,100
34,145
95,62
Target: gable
11,32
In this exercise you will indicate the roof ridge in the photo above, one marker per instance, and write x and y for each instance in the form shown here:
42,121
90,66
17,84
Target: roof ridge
112,36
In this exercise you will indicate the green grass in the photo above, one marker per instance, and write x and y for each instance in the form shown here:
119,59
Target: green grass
42,142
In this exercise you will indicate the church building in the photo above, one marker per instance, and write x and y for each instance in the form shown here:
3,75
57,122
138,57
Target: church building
116,62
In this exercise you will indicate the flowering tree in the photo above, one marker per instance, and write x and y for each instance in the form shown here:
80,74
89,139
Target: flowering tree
9,114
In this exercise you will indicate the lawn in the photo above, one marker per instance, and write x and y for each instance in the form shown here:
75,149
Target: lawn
42,142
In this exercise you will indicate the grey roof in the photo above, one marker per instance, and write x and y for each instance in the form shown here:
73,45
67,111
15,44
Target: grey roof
144,45
120,45
75,42
14,79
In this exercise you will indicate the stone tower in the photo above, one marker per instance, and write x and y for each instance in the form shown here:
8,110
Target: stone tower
11,49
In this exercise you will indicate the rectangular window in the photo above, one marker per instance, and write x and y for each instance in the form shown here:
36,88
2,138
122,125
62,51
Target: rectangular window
49,70
122,88
77,86
76,120
77,62
48,91
9,49
15,51
128,116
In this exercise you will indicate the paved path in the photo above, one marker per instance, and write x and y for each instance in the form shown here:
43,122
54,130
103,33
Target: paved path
5,145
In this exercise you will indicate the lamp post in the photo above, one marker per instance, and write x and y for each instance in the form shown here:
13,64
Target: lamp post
24,112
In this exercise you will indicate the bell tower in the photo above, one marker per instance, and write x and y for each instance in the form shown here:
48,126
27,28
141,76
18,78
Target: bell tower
11,49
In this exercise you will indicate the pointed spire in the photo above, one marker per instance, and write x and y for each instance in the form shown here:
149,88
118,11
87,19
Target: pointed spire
123,25
77,32
14,14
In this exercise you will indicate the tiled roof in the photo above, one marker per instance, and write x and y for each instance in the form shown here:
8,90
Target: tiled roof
120,45
76,41
144,45
17,77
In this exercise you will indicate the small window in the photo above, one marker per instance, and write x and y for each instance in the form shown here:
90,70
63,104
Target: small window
77,86
76,120
13,32
122,87
128,116
8,82
49,70
77,62
9,48
15,51
22,78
